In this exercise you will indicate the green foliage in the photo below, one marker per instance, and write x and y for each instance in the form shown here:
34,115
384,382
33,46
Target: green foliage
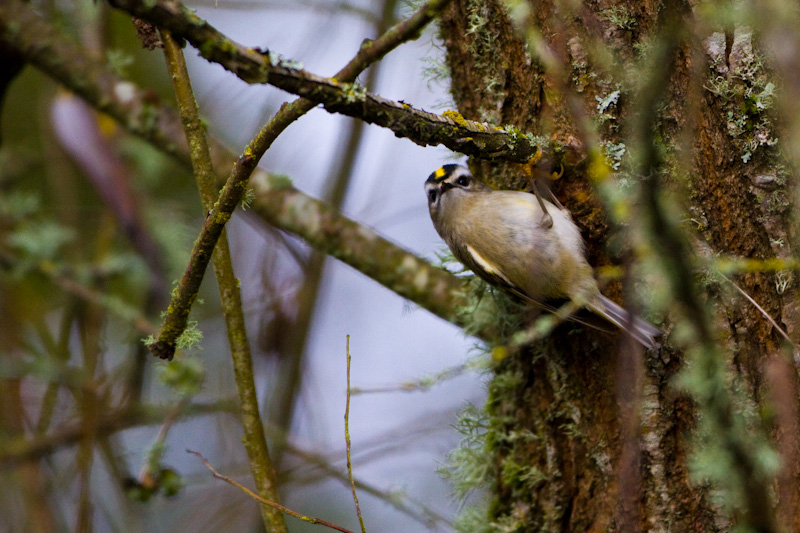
40,241
171,482
730,446
184,375
470,467
119,61
16,205
280,182
165,481
154,455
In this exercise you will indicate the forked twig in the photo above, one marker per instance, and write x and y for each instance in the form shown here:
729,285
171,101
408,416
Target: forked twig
309,519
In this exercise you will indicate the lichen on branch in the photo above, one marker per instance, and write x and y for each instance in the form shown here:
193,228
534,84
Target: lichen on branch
257,66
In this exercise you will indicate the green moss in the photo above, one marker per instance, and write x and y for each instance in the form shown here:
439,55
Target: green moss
221,217
280,182
248,198
521,477
470,467
353,92
184,375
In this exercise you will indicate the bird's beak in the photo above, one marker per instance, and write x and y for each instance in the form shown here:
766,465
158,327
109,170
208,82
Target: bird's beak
446,186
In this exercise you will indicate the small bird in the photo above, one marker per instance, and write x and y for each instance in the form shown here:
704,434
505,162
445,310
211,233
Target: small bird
521,243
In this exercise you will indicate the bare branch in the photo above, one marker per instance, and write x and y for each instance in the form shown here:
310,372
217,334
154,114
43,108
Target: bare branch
258,498
347,443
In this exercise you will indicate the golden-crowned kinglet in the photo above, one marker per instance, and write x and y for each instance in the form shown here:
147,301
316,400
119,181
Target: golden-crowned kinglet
508,240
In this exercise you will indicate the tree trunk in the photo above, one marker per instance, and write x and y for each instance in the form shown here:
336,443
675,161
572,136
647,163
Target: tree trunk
586,433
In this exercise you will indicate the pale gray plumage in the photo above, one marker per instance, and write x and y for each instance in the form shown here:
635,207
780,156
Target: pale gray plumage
503,237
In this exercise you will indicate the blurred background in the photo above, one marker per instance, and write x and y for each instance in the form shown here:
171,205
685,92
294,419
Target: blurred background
90,216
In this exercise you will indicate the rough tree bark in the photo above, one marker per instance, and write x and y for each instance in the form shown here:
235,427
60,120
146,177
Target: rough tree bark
567,456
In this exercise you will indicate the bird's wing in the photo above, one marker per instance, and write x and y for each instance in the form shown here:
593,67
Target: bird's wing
492,274
485,268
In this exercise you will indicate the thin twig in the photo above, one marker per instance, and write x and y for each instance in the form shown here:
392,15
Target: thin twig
347,441
405,504
259,499
313,269
761,310
420,384
152,461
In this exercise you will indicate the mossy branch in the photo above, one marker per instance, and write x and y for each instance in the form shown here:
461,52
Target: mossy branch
336,95
185,293
254,440
232,192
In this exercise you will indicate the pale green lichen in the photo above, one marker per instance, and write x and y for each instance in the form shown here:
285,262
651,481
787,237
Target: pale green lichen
746,90
353,93
184,375
482,46
620,17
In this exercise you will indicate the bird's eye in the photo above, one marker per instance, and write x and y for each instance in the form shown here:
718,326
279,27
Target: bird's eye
462,181
432,195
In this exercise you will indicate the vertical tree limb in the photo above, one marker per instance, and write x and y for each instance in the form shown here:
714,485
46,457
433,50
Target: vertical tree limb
255,441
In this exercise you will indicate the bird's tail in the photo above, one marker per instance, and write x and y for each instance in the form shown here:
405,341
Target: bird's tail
641,330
